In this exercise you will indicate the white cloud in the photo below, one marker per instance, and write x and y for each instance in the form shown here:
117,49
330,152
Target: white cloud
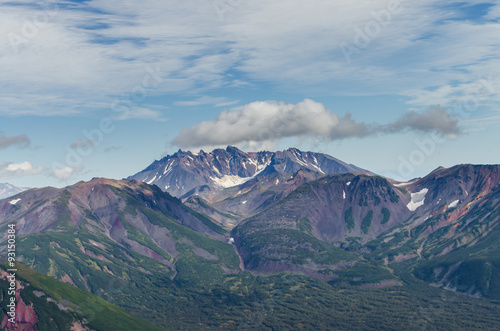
12,170
268,122
260,121
63,173
494,13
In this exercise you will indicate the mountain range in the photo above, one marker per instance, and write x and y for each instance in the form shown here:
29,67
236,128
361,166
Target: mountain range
265,233
125,241
184,174
8,190
229,179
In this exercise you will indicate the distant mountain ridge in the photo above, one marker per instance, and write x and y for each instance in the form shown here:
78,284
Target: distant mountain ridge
185,174
8,190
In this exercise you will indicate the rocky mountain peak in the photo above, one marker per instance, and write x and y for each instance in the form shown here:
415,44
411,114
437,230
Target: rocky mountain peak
185,173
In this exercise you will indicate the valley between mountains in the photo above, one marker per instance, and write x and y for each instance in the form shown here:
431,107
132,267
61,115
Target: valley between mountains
265,240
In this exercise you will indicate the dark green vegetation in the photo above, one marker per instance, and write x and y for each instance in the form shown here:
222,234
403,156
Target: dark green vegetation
287,247
367,222
278,302
387,215
304,225
460,253
349,220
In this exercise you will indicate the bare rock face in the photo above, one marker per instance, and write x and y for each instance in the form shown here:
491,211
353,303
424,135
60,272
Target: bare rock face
26,317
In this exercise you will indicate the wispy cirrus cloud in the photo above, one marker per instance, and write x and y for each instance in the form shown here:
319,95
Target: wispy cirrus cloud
207,100
99,49
142,113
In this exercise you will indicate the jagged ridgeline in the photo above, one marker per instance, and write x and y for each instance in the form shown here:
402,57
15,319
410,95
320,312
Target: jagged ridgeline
270,240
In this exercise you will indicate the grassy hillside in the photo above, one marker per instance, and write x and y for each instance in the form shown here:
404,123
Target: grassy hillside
45,293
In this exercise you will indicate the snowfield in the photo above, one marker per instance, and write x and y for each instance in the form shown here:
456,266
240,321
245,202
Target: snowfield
453,204
13,202
417,199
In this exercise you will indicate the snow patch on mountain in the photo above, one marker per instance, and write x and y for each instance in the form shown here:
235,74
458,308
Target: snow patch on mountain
15,201
151,181
261,167
168,168
317,168
453,204
230,180
417,199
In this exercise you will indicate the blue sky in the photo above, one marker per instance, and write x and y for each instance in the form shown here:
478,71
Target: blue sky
101,88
